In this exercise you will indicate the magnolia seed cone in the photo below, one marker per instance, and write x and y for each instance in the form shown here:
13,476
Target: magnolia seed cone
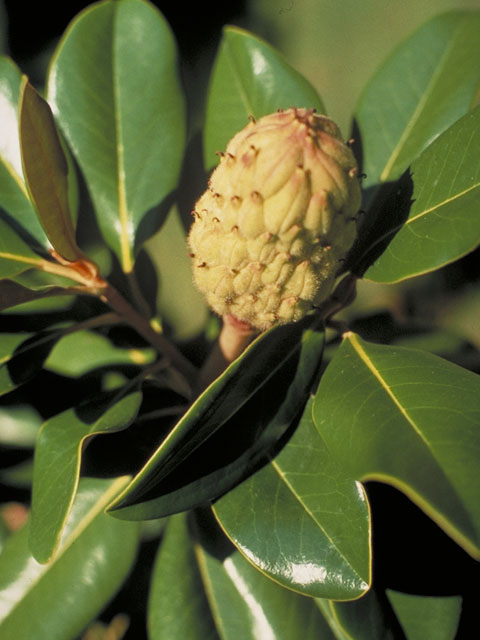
277,219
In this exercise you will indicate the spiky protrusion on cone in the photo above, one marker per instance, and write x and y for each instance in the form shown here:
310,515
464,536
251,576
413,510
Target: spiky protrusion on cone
277,219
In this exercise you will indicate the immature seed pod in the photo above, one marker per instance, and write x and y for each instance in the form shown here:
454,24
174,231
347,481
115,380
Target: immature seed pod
277,220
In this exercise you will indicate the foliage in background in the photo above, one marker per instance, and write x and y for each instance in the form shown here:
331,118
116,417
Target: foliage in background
258,497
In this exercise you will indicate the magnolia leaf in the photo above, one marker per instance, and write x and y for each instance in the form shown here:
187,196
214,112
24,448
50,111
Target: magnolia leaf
22,357
13,293
245,603
427,83
177,604
129,150
46,172
249,78
426,616
410,419
14,197
57,464
228,431
443,222
95,555
311,521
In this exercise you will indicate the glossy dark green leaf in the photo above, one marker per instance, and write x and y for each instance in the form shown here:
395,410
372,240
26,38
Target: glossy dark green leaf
443,222
57,600
248,605
250,78
57,464
22,356
229,429
427,617
115,91
410,419
177,606
430,81
302,521
13,293
46,171
14,198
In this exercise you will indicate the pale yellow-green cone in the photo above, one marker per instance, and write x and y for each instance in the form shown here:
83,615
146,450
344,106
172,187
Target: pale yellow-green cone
277,219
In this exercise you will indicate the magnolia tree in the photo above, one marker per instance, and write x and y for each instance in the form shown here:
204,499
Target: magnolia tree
195,476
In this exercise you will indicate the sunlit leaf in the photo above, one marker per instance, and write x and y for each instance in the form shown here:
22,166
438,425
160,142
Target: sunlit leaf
248,605
249,78
14,198
426,84
443,222
94,558
410,419
302,520
114,88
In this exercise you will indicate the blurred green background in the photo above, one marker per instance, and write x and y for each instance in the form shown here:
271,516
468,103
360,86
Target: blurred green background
337,44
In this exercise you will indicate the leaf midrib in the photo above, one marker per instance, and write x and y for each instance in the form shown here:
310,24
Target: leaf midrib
295,494
419,109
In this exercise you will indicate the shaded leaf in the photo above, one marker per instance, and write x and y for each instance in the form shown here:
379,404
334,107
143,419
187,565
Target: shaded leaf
427,617
57,464
94,558
15,255
426,84
80,352
248,605
443,222
46,172
302,521
362,619
13,293
130,151
249,78
22,357
228,431
14,198
412,420
177,605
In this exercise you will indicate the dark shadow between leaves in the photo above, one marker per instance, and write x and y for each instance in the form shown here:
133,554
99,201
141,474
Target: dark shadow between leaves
233,452
205,531
387,214
386,208
153,220
227,446
27,360
24,234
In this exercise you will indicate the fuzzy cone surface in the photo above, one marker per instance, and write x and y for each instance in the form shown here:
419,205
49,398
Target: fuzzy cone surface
277,219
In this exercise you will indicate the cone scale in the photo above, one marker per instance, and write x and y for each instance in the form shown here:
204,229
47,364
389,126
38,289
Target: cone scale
277,220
